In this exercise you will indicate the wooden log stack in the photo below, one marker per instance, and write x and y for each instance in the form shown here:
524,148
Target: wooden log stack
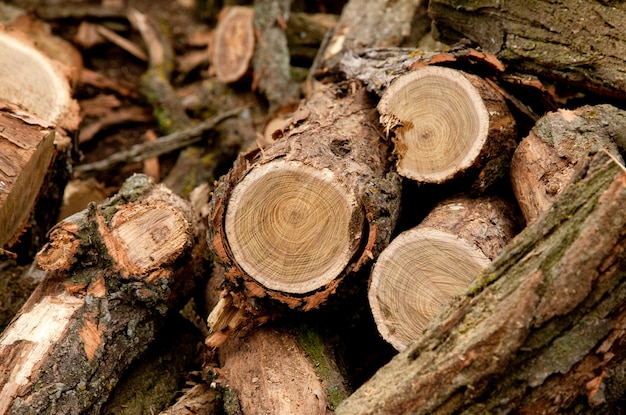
415,193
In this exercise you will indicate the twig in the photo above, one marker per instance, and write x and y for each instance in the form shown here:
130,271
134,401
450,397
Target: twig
163,145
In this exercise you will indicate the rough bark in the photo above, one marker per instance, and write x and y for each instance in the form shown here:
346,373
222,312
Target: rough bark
545,161
425,267
112,273
541,328
366,24
572,41
334,144
233,44
273,370
271,59
446,123
152,383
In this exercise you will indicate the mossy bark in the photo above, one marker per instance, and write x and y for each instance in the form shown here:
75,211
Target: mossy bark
112,274
577,42
539,330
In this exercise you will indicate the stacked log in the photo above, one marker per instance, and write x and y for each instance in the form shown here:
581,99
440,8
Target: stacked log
112,272
485,321
291,221
37,116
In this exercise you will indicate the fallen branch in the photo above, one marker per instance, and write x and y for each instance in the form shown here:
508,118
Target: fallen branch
163,145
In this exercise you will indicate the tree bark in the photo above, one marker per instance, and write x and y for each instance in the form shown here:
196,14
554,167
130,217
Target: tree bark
545,161
112,273
576,42
425,267
539,331
271,62
367,24
446,123
311,208
273,370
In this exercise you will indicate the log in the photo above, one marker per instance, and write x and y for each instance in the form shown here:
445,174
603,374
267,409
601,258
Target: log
575,42
233,44
289,222
271,60
35,82
425,267
199,400
112,272
540,329
545,161
271,370
36,147
305,34
446,123
366,24
27,149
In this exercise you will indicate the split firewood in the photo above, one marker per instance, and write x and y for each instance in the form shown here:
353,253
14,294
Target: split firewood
233,44
574,42
291,221
540,330
446,123
36,148
546,160
113,271
27,149
425,267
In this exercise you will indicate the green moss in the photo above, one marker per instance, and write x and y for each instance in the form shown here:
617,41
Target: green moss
325,369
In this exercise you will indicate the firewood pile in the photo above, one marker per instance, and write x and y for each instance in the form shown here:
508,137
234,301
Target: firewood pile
280,207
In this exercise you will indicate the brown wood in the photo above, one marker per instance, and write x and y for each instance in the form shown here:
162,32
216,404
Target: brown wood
41,86
112,272
271,372
545,161
576,42
27,149
233,44
538,332
446,123
305,33
310,209
425,267
367,24
271,60
200,399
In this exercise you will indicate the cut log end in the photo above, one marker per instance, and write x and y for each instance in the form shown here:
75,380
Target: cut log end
35,82
440,122
291,227
233,45
425,267
415,276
